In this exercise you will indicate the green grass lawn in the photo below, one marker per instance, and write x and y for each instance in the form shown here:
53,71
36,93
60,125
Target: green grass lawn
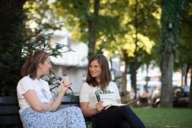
165,117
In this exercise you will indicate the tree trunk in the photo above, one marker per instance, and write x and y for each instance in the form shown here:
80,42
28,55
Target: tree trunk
136,48
92,29
135,75
170,22
147,78
124,85
184,75
167,73
190,94
166,88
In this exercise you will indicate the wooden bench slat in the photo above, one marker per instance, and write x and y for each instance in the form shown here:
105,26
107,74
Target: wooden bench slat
8,100
67,105
7,110
69,99
13,100
10,120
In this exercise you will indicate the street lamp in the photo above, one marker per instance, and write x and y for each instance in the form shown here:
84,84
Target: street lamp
170,25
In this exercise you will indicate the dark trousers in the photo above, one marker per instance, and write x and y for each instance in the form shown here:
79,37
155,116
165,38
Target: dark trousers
117,117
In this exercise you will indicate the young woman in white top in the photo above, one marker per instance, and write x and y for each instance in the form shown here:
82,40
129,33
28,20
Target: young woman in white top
37,108
99,78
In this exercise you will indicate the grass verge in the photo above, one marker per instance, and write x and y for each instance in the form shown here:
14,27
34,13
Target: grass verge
165,117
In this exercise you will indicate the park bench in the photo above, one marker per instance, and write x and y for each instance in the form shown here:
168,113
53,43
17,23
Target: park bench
143,102
9,109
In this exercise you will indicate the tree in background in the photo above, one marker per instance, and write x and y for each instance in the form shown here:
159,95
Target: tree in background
145,21
184,57
134,35
11,40
121,26
81,19
170,22
16,38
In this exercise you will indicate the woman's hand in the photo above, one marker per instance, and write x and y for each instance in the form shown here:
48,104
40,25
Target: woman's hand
63,88
64,85
99,106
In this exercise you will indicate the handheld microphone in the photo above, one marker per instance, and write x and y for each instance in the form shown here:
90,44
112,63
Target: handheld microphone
59,77
97,93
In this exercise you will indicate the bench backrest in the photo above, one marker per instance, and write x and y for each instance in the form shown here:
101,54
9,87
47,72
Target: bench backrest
68,101
9,109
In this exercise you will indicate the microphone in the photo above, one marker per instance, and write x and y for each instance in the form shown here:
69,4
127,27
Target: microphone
59,77
97,95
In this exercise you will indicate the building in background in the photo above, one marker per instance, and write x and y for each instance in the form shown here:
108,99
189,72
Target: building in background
76,57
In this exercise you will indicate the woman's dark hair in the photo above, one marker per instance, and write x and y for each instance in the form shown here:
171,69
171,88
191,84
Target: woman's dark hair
31,64
105,76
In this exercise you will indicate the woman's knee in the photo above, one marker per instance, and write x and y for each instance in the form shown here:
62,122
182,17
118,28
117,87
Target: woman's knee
75,109
124,109
71,109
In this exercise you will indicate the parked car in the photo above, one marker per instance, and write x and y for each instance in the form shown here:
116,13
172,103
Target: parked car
180,97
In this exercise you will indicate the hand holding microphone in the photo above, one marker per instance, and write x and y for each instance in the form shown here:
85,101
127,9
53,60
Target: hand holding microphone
99,105
64,83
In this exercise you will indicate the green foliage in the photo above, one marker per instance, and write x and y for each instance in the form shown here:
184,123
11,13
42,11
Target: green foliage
11,38
115,20
184,43
129,27
76,15
172,11
43,14
16,39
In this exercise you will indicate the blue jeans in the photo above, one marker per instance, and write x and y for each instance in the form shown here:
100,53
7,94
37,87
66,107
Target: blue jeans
117,117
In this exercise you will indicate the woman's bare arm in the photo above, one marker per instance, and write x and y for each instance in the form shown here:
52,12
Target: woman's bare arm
89,112
37,105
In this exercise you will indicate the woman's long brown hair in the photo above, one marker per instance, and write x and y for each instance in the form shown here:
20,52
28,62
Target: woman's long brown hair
31,64
105,76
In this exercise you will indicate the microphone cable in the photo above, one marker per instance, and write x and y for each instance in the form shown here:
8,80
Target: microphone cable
59,77
71,93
